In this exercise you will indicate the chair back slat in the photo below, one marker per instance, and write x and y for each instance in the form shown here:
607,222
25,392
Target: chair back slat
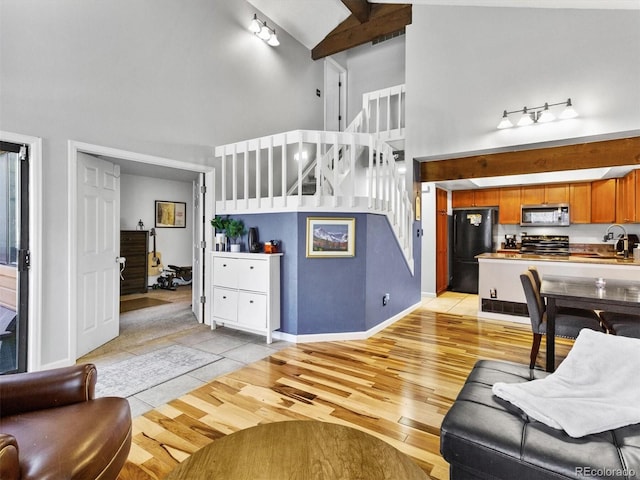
535,303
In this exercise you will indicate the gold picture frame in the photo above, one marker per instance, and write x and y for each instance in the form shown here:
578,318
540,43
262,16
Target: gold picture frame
171,214
329,237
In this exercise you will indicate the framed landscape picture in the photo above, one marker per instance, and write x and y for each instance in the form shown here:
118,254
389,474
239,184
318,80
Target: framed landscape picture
331,237
171,214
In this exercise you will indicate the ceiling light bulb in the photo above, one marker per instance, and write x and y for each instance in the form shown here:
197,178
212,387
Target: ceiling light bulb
265,32
255,25
505,122
546,116
569,111
273,40
525,119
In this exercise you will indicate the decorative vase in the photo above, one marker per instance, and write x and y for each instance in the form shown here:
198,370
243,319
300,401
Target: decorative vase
235,247
221,242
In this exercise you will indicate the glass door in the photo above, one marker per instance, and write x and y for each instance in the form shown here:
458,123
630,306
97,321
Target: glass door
14,256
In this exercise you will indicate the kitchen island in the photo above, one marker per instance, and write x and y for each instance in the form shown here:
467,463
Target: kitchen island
500,293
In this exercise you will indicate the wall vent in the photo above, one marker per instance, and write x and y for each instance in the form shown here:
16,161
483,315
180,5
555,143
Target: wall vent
388,36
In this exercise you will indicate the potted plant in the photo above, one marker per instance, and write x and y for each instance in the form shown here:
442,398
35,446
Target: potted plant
235,230
220,224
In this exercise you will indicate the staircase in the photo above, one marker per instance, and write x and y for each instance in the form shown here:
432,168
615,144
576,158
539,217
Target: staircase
308,170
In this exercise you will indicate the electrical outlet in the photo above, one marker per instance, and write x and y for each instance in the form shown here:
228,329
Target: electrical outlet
385,299
493,293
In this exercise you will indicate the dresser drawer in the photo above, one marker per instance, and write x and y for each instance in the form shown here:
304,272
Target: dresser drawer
252,310
253,275
225,304
225,272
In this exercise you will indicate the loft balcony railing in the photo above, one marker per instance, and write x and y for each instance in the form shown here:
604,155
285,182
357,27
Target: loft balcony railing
309,170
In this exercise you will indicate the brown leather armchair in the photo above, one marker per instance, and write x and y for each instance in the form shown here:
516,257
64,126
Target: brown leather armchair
52,427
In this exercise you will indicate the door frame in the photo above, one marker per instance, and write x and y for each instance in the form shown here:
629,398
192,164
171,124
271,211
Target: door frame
74,147
330,63
34,320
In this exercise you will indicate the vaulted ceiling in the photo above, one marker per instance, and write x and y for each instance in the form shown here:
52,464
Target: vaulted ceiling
327,27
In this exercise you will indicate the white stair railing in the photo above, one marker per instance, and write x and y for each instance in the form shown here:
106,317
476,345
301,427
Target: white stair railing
263,173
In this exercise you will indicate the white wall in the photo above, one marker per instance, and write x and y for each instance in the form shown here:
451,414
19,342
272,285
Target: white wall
465,65
372,67
158,77
138,195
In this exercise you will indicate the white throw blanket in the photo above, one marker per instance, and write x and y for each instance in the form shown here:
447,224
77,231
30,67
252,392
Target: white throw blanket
596,388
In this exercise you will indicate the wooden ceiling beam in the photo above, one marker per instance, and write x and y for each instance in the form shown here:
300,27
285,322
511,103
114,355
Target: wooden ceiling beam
384,19
361,9
607,153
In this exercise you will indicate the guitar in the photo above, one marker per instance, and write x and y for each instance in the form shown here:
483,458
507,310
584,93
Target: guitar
155,258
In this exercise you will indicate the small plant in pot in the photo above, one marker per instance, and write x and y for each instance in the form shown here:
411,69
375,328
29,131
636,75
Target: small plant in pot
220,224
235,231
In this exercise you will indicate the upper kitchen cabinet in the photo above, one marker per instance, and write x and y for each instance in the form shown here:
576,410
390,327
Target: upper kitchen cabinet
603,201
509,204
543,194
627,195
486,197
580,202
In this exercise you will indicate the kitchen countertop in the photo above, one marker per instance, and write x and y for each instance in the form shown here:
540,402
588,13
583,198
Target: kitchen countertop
595,258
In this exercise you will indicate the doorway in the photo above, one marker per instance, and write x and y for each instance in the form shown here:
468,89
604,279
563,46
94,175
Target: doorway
139,161
335,96
21,258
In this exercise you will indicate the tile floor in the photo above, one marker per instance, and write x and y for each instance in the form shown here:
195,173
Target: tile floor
235,350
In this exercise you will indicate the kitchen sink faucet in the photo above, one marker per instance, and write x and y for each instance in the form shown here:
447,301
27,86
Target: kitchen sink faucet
625,238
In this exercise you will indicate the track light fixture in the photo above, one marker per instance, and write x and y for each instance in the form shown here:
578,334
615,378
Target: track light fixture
540,114
263,31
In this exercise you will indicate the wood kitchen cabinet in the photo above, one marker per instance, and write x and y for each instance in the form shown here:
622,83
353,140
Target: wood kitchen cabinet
580,202
603,201
509,205
442,242
626,196
543,194
485,197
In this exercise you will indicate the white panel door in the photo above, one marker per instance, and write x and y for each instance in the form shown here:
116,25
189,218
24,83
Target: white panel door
98,249
198,248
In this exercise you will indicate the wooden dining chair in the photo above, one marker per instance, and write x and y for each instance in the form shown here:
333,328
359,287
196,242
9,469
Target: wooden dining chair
623,324
578,312
567,325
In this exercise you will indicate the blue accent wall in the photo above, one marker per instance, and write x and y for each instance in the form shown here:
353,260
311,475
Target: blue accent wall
337,295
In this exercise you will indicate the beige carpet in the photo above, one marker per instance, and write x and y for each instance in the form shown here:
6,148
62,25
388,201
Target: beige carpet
138,303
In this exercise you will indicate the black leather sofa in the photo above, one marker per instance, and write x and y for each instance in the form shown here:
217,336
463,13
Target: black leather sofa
485,437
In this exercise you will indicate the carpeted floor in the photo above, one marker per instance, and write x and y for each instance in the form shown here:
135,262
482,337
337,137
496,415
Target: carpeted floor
141,328
138,303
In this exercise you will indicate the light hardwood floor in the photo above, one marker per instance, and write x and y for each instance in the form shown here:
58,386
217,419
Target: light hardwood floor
396,385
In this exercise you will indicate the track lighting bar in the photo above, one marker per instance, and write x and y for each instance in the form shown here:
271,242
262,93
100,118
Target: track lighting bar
540,114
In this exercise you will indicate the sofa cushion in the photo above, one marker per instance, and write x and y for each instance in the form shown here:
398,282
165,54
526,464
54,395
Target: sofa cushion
491,438
76,453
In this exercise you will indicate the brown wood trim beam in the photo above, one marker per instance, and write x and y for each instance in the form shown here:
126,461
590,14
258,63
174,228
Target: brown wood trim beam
361,9
607,153
383,20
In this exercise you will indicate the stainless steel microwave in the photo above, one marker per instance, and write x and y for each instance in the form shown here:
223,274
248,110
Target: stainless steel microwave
555,215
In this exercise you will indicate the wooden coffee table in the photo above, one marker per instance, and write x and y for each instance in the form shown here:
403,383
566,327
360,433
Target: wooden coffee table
305,450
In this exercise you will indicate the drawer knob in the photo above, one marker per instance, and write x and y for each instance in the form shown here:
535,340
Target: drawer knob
250,301
224,297
224,264
251,267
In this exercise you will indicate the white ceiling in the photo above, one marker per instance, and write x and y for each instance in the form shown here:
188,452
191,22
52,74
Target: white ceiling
309,21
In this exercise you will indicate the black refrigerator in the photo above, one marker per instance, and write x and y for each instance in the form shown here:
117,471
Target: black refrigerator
472,235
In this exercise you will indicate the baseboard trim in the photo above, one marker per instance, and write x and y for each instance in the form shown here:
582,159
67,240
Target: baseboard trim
341,336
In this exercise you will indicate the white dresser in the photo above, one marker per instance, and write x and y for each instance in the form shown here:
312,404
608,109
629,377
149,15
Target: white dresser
246,291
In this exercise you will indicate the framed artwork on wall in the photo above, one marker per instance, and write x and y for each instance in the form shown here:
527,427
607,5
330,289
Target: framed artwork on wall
331,237
171,214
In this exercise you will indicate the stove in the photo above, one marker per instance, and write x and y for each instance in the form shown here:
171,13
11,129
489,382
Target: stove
555,245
